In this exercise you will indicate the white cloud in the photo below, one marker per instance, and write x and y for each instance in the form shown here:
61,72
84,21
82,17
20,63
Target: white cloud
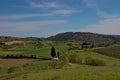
103,14
52,13
43,4
64,11
29,25
91,3
108,26
56,9
19,16
94,4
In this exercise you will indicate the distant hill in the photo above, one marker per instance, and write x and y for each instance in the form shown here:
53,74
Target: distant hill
85,37
69,36
10,38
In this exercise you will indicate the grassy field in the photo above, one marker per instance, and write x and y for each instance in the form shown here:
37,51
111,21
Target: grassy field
42,69
44,51
79,73
113,51
23,65
82,72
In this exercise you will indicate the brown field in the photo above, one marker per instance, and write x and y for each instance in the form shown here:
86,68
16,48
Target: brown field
14,42
15,62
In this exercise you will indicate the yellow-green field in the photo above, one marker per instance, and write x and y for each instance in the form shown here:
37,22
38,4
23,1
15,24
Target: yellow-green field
41,70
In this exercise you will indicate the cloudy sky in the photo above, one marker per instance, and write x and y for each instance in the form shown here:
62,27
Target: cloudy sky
42,18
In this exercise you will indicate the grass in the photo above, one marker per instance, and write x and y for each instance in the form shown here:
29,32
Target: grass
45,51
80,73
23,67
28,50
113,51
41,70
109,60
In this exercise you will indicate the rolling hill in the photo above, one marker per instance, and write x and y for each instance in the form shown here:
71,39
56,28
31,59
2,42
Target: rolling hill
69,36
85,37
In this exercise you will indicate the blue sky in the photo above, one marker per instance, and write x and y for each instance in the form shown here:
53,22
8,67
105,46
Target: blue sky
43,18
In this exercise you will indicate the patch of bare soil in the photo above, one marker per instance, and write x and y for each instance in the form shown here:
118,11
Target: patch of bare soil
15,62
9,76
14,42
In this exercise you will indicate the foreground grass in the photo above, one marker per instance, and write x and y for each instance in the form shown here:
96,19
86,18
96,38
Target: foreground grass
20,66
79,73
42,71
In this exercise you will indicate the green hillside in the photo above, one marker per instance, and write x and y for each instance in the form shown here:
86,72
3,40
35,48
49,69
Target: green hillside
75,64
85,37
80,72
113,51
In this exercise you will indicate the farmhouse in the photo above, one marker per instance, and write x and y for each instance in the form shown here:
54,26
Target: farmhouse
86,45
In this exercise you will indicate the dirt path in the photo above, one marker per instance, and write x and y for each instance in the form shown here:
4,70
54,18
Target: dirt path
73,65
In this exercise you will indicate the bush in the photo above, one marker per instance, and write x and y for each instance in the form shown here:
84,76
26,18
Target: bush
94,62
74,58
57,64
64,57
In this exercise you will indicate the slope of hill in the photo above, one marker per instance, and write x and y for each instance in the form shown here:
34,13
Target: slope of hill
113,51
10,38
81,72
69,36
85,37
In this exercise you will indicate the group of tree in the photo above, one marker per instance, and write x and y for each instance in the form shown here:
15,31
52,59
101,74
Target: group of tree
20,56
36,44
87,45
4,46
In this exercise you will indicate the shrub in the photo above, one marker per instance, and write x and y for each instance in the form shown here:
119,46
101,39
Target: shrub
33,56
94,62
64,57
57,64
21,56
7,56
74,58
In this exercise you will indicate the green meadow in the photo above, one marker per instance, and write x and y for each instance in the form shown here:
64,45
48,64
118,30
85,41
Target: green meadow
44,70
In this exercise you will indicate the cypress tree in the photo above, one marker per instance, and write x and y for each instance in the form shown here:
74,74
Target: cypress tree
53,53
58,55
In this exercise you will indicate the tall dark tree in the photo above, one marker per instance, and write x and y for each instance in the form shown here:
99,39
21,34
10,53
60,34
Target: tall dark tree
58,55
53,53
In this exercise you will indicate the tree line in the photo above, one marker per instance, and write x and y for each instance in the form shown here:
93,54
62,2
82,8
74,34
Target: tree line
20,56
